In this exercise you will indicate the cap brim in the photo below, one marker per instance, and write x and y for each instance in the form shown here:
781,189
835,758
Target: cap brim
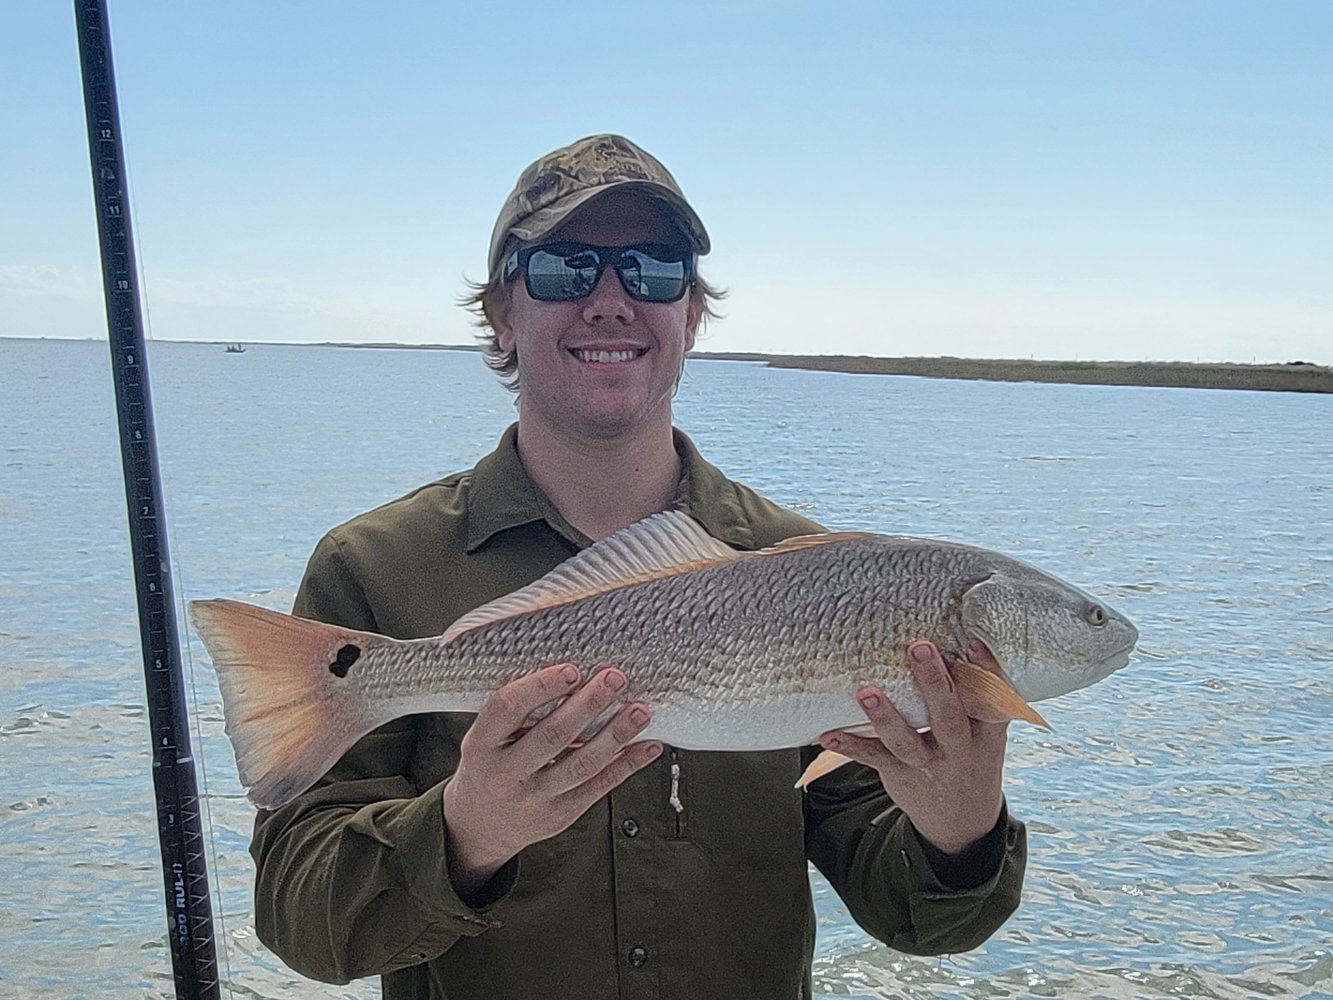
546,220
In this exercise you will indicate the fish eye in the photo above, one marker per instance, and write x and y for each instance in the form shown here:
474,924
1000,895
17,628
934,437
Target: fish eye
1096,615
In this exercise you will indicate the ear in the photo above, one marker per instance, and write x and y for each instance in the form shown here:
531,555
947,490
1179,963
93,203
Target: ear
504,335
498,307
694,312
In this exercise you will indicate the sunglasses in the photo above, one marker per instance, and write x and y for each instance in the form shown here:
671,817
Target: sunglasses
565,272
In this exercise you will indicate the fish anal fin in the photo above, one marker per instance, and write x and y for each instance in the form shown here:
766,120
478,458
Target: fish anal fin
827,762
991,698
860,729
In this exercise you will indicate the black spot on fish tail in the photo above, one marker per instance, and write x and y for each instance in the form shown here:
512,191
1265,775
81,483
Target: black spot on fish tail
348,655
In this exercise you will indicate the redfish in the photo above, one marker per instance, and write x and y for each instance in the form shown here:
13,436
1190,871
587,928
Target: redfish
731,650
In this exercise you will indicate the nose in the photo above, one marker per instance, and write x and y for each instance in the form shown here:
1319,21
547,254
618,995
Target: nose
608,301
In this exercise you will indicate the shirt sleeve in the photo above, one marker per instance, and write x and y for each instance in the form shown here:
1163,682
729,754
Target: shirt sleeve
896,887
351,878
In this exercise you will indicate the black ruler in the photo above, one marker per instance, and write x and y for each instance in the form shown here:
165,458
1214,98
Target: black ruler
180,832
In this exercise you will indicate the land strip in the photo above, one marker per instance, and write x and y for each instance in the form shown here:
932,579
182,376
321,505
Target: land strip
1295,376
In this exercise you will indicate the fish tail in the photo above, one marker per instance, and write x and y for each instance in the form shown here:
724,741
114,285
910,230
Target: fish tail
289,711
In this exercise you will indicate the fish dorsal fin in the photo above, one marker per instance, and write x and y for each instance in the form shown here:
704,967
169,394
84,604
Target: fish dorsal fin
810,541
662,545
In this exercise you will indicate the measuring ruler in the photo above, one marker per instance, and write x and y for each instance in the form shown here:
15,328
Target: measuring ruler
180,832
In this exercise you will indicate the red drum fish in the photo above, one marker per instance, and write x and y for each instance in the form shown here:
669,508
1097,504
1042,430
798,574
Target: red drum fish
731,650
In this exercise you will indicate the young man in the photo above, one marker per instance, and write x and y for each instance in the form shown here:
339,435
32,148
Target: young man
456,861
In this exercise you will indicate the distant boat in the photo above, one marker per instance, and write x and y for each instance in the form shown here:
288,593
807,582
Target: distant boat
235,349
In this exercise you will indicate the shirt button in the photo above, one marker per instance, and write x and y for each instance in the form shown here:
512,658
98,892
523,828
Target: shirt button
630,828
637,956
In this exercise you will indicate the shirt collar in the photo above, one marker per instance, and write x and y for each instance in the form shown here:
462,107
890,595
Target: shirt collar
502,496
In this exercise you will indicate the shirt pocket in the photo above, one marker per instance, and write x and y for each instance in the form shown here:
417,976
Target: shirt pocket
743,809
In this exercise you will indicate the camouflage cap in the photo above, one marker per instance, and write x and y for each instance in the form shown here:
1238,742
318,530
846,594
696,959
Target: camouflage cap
550,190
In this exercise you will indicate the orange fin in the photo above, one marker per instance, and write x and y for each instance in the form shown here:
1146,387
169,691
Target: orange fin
991,698
290,705
826,762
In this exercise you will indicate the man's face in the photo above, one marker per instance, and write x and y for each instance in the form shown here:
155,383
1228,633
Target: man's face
604,364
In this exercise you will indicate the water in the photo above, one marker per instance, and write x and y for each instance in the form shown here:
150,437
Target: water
1180,814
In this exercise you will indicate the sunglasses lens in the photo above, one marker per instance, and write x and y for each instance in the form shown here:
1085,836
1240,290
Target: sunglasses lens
561,276
649,278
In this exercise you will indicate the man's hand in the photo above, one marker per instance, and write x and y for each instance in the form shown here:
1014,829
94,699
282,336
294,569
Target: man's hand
947,779
508,793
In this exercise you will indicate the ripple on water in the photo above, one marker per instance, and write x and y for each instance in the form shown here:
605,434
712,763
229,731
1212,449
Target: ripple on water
32,719
881,974
1218,843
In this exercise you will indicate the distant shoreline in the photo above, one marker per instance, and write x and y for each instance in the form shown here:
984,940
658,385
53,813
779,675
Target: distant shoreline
1294,376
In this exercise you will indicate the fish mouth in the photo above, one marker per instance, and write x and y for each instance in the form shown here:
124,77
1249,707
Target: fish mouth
1114,662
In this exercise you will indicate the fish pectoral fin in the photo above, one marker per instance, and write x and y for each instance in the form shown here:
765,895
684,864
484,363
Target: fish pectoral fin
826,762
990,698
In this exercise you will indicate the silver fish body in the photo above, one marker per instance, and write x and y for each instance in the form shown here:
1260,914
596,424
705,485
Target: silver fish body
731,650
765,652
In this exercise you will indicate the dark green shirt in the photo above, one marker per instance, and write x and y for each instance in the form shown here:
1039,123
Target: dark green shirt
636,900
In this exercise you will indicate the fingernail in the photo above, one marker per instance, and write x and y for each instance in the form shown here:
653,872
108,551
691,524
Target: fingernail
615,680
870,700
652,750
569,675
831,742
921,652
638,716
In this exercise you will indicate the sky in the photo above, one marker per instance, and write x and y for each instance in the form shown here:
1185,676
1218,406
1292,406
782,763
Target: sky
1128,180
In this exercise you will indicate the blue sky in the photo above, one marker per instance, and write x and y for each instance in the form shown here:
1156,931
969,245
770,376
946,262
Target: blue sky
1115,180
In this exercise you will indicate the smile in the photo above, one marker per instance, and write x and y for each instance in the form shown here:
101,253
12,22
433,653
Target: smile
608,357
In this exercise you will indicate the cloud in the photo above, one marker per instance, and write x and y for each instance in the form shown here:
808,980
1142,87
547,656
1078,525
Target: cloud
46,280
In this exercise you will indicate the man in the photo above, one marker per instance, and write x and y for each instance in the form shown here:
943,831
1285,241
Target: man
458,861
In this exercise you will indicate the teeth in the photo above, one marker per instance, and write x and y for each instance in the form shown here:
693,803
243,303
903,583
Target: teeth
606,357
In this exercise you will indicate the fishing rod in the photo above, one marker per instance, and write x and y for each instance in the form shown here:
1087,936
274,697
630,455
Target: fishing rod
180,833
